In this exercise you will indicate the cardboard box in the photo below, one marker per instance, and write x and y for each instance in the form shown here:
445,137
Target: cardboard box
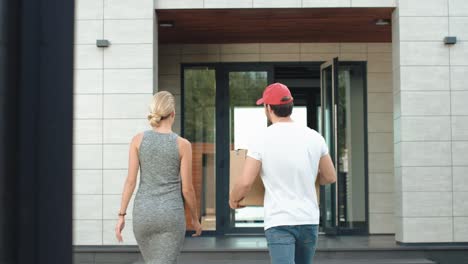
257,193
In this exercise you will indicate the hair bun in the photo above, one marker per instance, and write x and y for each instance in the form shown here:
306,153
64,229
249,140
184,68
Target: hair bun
154,119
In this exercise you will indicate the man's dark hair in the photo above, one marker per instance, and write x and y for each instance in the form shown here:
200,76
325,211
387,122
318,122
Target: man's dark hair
283,110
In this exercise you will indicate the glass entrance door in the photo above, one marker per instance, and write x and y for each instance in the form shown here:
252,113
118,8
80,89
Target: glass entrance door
220,115
328,199
245,86
343,204
350,101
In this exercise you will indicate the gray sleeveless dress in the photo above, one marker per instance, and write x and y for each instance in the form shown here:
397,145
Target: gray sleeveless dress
158,211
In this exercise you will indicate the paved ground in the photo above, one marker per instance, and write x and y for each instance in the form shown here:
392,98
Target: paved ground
379,249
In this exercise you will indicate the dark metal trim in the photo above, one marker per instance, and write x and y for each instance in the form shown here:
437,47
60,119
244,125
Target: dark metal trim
40,120
366,146
9,97
222,151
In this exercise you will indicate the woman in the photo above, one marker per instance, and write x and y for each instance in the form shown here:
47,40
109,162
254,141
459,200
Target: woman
165,161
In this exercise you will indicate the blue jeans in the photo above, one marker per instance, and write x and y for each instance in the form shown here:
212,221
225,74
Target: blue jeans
292,244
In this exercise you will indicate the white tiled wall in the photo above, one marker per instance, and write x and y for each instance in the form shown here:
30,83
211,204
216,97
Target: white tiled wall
88,81
436,179
122,9
430,120
423,28
428,229
130,31
113,88
127,81
380,99
87,232
87,182
434,78
421,8
423,54
87,56
87,131
459,224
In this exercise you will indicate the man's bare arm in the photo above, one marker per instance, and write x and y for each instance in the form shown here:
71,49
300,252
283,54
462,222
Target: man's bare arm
327,173
244,183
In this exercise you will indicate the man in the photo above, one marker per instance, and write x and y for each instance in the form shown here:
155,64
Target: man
289,157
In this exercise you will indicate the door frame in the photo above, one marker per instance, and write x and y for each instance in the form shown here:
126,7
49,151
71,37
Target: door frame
342,231
337,229
333,64
222,142
223,128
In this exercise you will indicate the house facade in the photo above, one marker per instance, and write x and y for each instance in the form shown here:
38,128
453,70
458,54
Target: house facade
382,80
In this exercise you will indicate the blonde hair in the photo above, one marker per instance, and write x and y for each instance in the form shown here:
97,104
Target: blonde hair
161,107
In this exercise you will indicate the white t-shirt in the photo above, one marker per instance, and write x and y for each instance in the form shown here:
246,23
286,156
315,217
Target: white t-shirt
290,155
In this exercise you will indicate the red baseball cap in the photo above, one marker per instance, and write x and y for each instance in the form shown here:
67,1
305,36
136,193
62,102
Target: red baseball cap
276,94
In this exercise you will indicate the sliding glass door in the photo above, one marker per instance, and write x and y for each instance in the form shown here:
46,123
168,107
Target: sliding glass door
245,84
219,116
328,199
343,125
351,148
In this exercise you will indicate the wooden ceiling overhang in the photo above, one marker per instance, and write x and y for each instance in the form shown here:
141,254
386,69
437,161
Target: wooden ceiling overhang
192,26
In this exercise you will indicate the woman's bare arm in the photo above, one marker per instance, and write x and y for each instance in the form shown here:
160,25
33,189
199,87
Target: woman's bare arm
185,150
130,184
133,166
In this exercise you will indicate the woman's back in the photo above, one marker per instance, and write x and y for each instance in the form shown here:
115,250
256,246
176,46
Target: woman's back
160,166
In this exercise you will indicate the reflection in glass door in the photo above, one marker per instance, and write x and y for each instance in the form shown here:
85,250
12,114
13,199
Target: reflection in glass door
245,119
344,203
199,128
351,151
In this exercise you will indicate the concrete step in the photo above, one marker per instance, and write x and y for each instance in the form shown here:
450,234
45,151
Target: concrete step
253,250
374,261
255,258
316,261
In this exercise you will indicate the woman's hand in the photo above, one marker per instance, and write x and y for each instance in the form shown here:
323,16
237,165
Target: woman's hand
198,228
119,227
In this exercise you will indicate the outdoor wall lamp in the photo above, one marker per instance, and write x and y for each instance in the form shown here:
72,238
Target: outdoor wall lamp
102,43
450,40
